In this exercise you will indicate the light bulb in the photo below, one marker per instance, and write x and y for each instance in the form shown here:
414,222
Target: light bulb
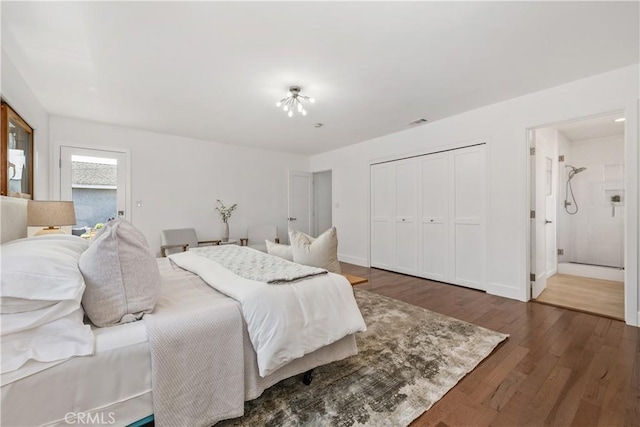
312,100
290,113
278,104
285,108
304,112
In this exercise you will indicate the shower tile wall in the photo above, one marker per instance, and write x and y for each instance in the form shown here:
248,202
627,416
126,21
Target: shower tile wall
595,234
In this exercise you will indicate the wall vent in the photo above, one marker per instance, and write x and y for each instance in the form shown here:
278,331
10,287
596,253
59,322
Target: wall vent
418,122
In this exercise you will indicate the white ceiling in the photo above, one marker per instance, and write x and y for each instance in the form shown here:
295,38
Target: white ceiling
215,70
595,127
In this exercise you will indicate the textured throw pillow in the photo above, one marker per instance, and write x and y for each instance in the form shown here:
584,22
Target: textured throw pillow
282,251
121,275
319,252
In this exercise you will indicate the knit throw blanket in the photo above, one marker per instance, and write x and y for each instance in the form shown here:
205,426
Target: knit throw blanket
255,265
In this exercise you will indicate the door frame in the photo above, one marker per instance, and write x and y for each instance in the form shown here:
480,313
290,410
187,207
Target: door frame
57,181
630,209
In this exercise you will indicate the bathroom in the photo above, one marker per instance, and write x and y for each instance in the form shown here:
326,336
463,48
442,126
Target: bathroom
580,167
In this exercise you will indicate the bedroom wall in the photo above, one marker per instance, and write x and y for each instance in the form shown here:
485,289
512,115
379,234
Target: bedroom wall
504,127
179,179
20,97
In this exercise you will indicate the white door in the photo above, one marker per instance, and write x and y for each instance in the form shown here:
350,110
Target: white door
406,197
433,218
383,239
466,207
300,201
96,181
539,223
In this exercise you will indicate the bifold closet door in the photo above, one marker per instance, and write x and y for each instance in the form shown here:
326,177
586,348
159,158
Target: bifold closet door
433,254
406,197
383,180
467,234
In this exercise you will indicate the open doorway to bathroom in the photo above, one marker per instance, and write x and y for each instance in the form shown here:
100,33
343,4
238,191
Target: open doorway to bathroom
577,215
322,202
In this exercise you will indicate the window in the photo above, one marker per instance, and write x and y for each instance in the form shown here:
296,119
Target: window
16,155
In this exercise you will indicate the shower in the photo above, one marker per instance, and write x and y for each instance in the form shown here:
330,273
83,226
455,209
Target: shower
569,198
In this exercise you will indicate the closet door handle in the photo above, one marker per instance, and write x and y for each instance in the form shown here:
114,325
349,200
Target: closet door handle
546,221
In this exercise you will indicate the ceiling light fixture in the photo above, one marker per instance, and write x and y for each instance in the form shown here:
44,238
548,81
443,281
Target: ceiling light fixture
621,119
293,102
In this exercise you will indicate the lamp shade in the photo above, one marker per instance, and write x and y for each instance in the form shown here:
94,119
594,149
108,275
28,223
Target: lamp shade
50,213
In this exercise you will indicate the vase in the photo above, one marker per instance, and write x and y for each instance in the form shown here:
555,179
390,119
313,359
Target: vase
225,231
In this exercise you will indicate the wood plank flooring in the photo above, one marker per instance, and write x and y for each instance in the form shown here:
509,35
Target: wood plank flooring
559,367
595,296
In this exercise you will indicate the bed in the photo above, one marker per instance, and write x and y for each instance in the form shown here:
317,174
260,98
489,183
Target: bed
46,393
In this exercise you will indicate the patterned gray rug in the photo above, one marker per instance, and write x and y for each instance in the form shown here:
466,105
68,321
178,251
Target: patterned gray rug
408,359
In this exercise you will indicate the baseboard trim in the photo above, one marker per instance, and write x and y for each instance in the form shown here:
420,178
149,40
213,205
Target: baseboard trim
505,291
362,262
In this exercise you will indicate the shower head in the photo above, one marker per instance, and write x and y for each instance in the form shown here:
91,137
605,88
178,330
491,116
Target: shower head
574,170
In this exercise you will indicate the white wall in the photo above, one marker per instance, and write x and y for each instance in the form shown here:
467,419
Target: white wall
21,98
322,201
179,179
504,127
596,236
563,218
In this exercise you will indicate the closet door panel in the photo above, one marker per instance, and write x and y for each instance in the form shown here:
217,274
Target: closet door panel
406,206
433,219
469,250
382,216
467,204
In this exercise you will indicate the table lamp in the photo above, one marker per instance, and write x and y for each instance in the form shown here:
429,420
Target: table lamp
51,214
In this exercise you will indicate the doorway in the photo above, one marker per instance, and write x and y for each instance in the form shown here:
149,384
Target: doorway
322,202
96,181
577,215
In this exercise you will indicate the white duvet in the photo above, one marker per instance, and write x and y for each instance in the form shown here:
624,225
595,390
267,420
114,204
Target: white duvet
284,321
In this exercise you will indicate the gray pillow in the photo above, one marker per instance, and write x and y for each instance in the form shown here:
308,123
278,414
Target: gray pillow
121,275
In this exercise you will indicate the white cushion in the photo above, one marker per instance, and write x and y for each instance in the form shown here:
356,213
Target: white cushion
319,252
41,292
282,251
38,272
60,339
121,274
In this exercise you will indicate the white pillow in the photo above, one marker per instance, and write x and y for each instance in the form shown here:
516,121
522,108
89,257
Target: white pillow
122,276
282,251
38,272
319,252
58,340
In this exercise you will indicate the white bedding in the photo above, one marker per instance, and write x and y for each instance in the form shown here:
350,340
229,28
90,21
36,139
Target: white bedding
33,396
284,321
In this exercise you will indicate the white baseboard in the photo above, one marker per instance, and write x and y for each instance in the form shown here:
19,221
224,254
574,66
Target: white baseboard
362,262
552,272
506,291
592,271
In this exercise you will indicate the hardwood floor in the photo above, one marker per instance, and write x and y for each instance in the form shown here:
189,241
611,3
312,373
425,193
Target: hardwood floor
558,367
594,296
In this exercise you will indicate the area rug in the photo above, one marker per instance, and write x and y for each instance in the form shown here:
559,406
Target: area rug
407,360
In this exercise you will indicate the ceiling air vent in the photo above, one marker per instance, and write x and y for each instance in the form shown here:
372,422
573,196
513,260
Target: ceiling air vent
418,122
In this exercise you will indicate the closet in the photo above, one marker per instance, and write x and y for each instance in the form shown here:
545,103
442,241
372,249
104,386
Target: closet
428,216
